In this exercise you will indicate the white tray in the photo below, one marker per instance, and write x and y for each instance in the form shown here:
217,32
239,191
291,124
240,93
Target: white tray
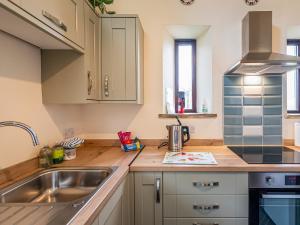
190,158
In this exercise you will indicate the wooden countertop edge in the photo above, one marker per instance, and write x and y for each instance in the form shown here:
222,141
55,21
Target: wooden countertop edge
89,213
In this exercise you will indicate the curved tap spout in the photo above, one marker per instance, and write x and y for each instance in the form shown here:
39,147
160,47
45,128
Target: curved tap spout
23,126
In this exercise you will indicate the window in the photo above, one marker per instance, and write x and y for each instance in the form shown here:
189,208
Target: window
185,75
293,95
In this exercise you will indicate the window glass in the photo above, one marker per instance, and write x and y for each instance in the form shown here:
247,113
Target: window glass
185,74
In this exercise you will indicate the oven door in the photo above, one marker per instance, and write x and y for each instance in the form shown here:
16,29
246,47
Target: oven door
274,207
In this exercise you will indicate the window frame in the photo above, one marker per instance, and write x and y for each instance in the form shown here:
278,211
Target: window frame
193,43
296,42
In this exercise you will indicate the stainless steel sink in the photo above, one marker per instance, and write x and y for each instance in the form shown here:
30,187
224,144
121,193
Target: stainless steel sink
65,190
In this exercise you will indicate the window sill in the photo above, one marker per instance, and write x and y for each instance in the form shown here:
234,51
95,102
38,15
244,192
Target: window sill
292,116
188,115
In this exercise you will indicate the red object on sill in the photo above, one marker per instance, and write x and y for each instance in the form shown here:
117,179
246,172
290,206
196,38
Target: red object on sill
181,101
181,108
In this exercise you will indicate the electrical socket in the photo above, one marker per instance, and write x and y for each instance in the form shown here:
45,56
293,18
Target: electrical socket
192,129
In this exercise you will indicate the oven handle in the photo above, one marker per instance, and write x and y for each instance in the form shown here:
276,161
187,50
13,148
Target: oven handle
282,196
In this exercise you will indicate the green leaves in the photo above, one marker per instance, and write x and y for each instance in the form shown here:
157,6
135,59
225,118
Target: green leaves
107,2
96,3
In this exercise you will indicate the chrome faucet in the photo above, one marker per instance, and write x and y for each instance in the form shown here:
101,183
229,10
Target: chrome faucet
25,127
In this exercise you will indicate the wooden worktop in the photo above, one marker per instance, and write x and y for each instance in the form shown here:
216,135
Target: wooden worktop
151,159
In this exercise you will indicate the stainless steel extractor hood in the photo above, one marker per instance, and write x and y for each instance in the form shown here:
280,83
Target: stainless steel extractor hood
258,57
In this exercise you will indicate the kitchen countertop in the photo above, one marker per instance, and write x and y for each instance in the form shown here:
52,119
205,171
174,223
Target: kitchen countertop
151,159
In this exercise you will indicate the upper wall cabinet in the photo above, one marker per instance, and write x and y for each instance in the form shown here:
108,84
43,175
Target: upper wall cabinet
69,77
55,24
64,16
122,59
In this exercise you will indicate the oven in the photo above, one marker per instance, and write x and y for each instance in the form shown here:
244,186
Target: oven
274,199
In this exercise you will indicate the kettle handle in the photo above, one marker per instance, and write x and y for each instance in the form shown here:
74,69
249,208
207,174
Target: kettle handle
186,132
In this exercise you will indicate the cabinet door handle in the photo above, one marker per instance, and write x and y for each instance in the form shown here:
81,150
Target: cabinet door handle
55,20
195,223
157,183
206,207
209,184
106,86
90,83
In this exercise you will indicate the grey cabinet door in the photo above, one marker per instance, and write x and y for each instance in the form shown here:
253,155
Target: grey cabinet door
119,208
69,77
91,53
64,16
119,59
148,198
115,218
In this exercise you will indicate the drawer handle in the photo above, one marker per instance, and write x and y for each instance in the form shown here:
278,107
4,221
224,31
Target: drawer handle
195,223
210,184
157,190
55,20
206,207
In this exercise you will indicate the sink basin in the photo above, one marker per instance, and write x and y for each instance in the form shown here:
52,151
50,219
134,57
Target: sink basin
51,197
59,185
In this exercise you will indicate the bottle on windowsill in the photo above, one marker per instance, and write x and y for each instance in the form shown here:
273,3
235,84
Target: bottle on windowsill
204,106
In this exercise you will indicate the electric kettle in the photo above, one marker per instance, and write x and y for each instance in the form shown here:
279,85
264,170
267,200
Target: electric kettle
178,135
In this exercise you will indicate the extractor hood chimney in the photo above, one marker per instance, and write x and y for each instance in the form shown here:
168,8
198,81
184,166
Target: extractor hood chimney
258,57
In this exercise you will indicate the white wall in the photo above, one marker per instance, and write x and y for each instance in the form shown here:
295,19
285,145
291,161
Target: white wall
21,100
224,17
20,88
168,73
204,72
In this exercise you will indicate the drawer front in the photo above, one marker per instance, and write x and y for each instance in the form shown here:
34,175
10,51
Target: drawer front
64,16
196,183
201,206
209,221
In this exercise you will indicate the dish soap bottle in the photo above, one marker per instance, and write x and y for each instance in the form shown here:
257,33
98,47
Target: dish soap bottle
58,154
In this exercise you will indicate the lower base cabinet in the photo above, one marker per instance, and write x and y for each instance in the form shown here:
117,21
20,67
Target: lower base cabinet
178,198
218,221
148,198
118,210
191,198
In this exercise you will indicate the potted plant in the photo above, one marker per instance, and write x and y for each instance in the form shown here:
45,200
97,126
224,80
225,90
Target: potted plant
101,5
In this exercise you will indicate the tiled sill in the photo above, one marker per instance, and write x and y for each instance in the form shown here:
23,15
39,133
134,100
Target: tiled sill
188,115
292,116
